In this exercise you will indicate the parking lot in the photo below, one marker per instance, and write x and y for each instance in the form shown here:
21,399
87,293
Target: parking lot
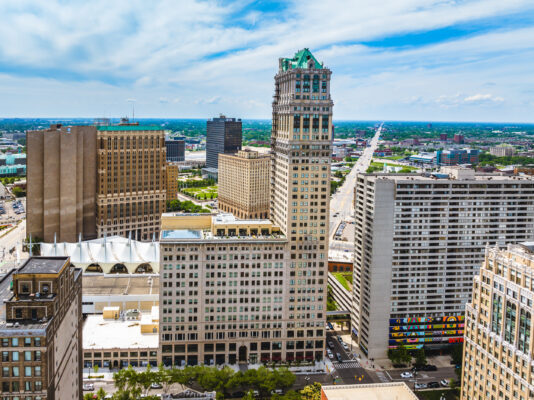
12,210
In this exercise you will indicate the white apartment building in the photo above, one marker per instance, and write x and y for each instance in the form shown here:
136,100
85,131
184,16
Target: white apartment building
499,334
418,244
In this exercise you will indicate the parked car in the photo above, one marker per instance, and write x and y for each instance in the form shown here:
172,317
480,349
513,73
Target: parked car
421,386
331,345
156,385
406,374
277,391
88,386
338,356
345,346
429,367
433,385
340,339
444,383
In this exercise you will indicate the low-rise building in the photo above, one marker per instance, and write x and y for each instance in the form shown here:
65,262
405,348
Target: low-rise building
503,150
117,339
374,391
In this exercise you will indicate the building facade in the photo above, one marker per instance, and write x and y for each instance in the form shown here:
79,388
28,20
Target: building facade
175,149
224,136
224,287
244,184
172,171
301,149
498,362
61,168
457,156
131,186
503,150
40,331
419,243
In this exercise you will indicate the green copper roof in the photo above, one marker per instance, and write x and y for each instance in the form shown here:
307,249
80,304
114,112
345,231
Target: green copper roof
115,128
301,60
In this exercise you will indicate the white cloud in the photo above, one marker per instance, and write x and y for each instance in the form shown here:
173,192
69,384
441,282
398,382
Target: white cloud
483,98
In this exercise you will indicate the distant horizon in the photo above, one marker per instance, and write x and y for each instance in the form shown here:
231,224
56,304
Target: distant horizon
268,120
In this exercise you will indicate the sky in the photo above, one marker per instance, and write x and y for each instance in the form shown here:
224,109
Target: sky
423,60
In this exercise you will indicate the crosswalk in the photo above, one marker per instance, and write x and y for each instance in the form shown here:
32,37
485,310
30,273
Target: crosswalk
348,364
382,376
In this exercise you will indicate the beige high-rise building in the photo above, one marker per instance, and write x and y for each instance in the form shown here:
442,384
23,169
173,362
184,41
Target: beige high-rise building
61,170
502,150
301,146
499,333
131,187
253,290
244,185
172,171
40,331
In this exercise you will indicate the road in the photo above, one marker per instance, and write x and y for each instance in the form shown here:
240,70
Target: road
341,201
13,240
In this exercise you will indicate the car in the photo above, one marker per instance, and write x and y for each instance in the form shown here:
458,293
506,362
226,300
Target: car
429,367
330,355
444,383
331,345
88,386
338,356
345,346
433,385
340,339
156,385
420,385
277,391
406,374
330,325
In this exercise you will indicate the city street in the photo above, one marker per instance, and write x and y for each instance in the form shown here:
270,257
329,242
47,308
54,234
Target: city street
341,201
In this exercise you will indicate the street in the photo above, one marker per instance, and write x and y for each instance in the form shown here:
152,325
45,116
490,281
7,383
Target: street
341,201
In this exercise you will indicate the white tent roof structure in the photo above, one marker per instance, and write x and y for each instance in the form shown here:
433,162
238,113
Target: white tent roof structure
107,252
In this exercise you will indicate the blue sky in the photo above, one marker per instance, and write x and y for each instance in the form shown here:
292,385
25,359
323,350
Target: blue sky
439,60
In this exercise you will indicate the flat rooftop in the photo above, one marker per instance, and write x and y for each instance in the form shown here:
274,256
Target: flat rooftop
101,334
376,391
43,265
106,285
442,178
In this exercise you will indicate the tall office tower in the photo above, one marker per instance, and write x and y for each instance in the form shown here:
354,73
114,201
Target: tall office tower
244,185
171,172
499,332
175,148
40,330
61,170
131,186
419,243
224,136
301,146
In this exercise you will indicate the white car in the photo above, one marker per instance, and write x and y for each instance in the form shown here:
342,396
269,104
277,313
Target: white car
421,385
406,374
444,383
88,386
345,346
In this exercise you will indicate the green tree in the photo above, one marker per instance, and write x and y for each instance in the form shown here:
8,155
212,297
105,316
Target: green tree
101,393
420,357
457,353
18,192
147,378
311,392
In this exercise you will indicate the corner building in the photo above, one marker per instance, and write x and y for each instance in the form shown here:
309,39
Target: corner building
41,331
499,333
418,244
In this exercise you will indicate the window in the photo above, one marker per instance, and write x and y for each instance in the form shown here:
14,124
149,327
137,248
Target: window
27,371
27,356
15,371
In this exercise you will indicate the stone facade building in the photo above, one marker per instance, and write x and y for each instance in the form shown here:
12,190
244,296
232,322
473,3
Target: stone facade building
40,330
244,185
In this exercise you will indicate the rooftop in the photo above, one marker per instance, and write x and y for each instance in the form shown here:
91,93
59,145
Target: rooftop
302,59
116,285
443,178
43,265
376,391
117,128
100,333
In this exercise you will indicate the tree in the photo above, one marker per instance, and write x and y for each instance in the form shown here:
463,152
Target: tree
18,192
95,368
420,357
399,355
164,377
147,378
101,394
311,392
457,353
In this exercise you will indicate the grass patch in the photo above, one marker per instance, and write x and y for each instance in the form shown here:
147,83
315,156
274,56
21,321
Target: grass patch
450,394
345,279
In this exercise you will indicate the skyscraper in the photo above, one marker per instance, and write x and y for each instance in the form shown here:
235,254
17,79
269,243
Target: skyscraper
175,148
301,145
224,136
61,170
418,244
499,332
244,184
255,290
131,187
40,330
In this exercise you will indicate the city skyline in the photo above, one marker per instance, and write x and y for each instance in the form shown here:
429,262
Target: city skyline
404,61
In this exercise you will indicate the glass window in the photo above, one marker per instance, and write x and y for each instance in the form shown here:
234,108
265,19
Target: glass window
16,371
14,356
27,342
14,342
27,371
27,356
38,371
37,342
